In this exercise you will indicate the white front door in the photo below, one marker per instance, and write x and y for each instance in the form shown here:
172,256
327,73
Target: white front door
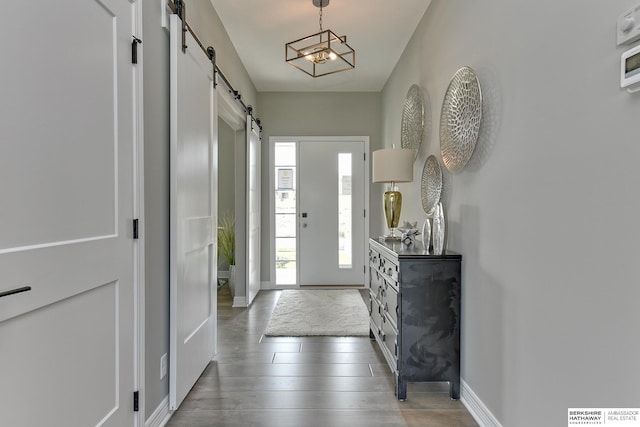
67,351
331,212
194,205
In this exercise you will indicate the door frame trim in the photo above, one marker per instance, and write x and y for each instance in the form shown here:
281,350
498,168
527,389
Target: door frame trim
230,112
272,183
139,344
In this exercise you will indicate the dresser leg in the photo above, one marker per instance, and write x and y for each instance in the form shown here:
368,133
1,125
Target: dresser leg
454,389
371,335
401,388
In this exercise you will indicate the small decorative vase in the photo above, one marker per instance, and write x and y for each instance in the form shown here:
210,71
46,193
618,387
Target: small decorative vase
426,235
438,230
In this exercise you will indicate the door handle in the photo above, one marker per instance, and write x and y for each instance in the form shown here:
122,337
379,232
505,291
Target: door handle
15,291
304,225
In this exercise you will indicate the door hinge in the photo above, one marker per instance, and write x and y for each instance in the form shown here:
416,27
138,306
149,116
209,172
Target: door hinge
135,228
136,401
365,213
365,156
134,49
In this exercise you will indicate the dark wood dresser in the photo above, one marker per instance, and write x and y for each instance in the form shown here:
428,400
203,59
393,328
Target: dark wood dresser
414,306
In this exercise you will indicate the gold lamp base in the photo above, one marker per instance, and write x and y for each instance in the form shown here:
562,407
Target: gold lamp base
392,208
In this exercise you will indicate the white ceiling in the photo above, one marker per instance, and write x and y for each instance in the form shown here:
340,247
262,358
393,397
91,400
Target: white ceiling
378,30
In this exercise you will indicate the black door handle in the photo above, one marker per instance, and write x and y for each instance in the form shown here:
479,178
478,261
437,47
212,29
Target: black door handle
15,291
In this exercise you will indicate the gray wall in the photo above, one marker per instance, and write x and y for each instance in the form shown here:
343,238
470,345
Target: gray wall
545,216
203,19
241,219
226,175
156,202
316,114
226,167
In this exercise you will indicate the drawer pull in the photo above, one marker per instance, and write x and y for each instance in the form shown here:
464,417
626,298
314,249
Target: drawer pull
15,291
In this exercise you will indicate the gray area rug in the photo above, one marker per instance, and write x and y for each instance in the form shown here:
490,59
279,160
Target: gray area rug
332,312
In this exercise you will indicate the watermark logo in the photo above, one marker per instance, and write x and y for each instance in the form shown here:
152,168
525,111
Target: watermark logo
614,417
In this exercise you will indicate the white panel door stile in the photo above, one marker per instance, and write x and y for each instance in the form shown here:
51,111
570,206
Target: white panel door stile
253,209
318,200
67,350
194,159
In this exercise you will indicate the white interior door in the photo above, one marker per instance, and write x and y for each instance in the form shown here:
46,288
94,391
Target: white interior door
253,209
331,212
194,202
66,185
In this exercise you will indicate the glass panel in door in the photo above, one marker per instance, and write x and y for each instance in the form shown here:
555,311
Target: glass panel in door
285,213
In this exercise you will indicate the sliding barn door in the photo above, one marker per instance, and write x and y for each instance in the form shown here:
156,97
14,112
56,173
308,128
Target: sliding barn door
67,288
253,209
194,161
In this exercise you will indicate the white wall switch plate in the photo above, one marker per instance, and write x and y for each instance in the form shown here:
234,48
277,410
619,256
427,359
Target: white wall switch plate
628,28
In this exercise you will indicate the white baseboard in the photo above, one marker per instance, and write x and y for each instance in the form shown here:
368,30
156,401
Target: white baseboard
160,416
476,408
239,302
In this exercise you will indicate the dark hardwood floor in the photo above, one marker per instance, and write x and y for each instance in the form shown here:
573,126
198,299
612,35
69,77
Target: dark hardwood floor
304,382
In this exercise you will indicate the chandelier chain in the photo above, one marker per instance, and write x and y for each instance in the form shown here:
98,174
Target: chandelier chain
321,2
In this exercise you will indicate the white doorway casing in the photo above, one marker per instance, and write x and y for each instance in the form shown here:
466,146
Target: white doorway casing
233,114
317,234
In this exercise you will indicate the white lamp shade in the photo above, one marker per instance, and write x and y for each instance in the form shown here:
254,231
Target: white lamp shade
393,165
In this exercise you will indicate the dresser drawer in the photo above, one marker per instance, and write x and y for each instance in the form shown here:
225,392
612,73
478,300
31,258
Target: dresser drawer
374,258
390,268
389,302
376,283
390,342
375,312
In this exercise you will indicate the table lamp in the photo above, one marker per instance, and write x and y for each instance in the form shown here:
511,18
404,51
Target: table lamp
392,165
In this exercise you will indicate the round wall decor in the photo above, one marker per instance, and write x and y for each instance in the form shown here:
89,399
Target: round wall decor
460,119
412,129
431,185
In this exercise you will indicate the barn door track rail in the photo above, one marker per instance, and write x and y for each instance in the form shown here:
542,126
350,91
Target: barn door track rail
179,8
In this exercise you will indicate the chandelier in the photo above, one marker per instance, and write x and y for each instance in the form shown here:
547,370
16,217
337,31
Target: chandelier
321,53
